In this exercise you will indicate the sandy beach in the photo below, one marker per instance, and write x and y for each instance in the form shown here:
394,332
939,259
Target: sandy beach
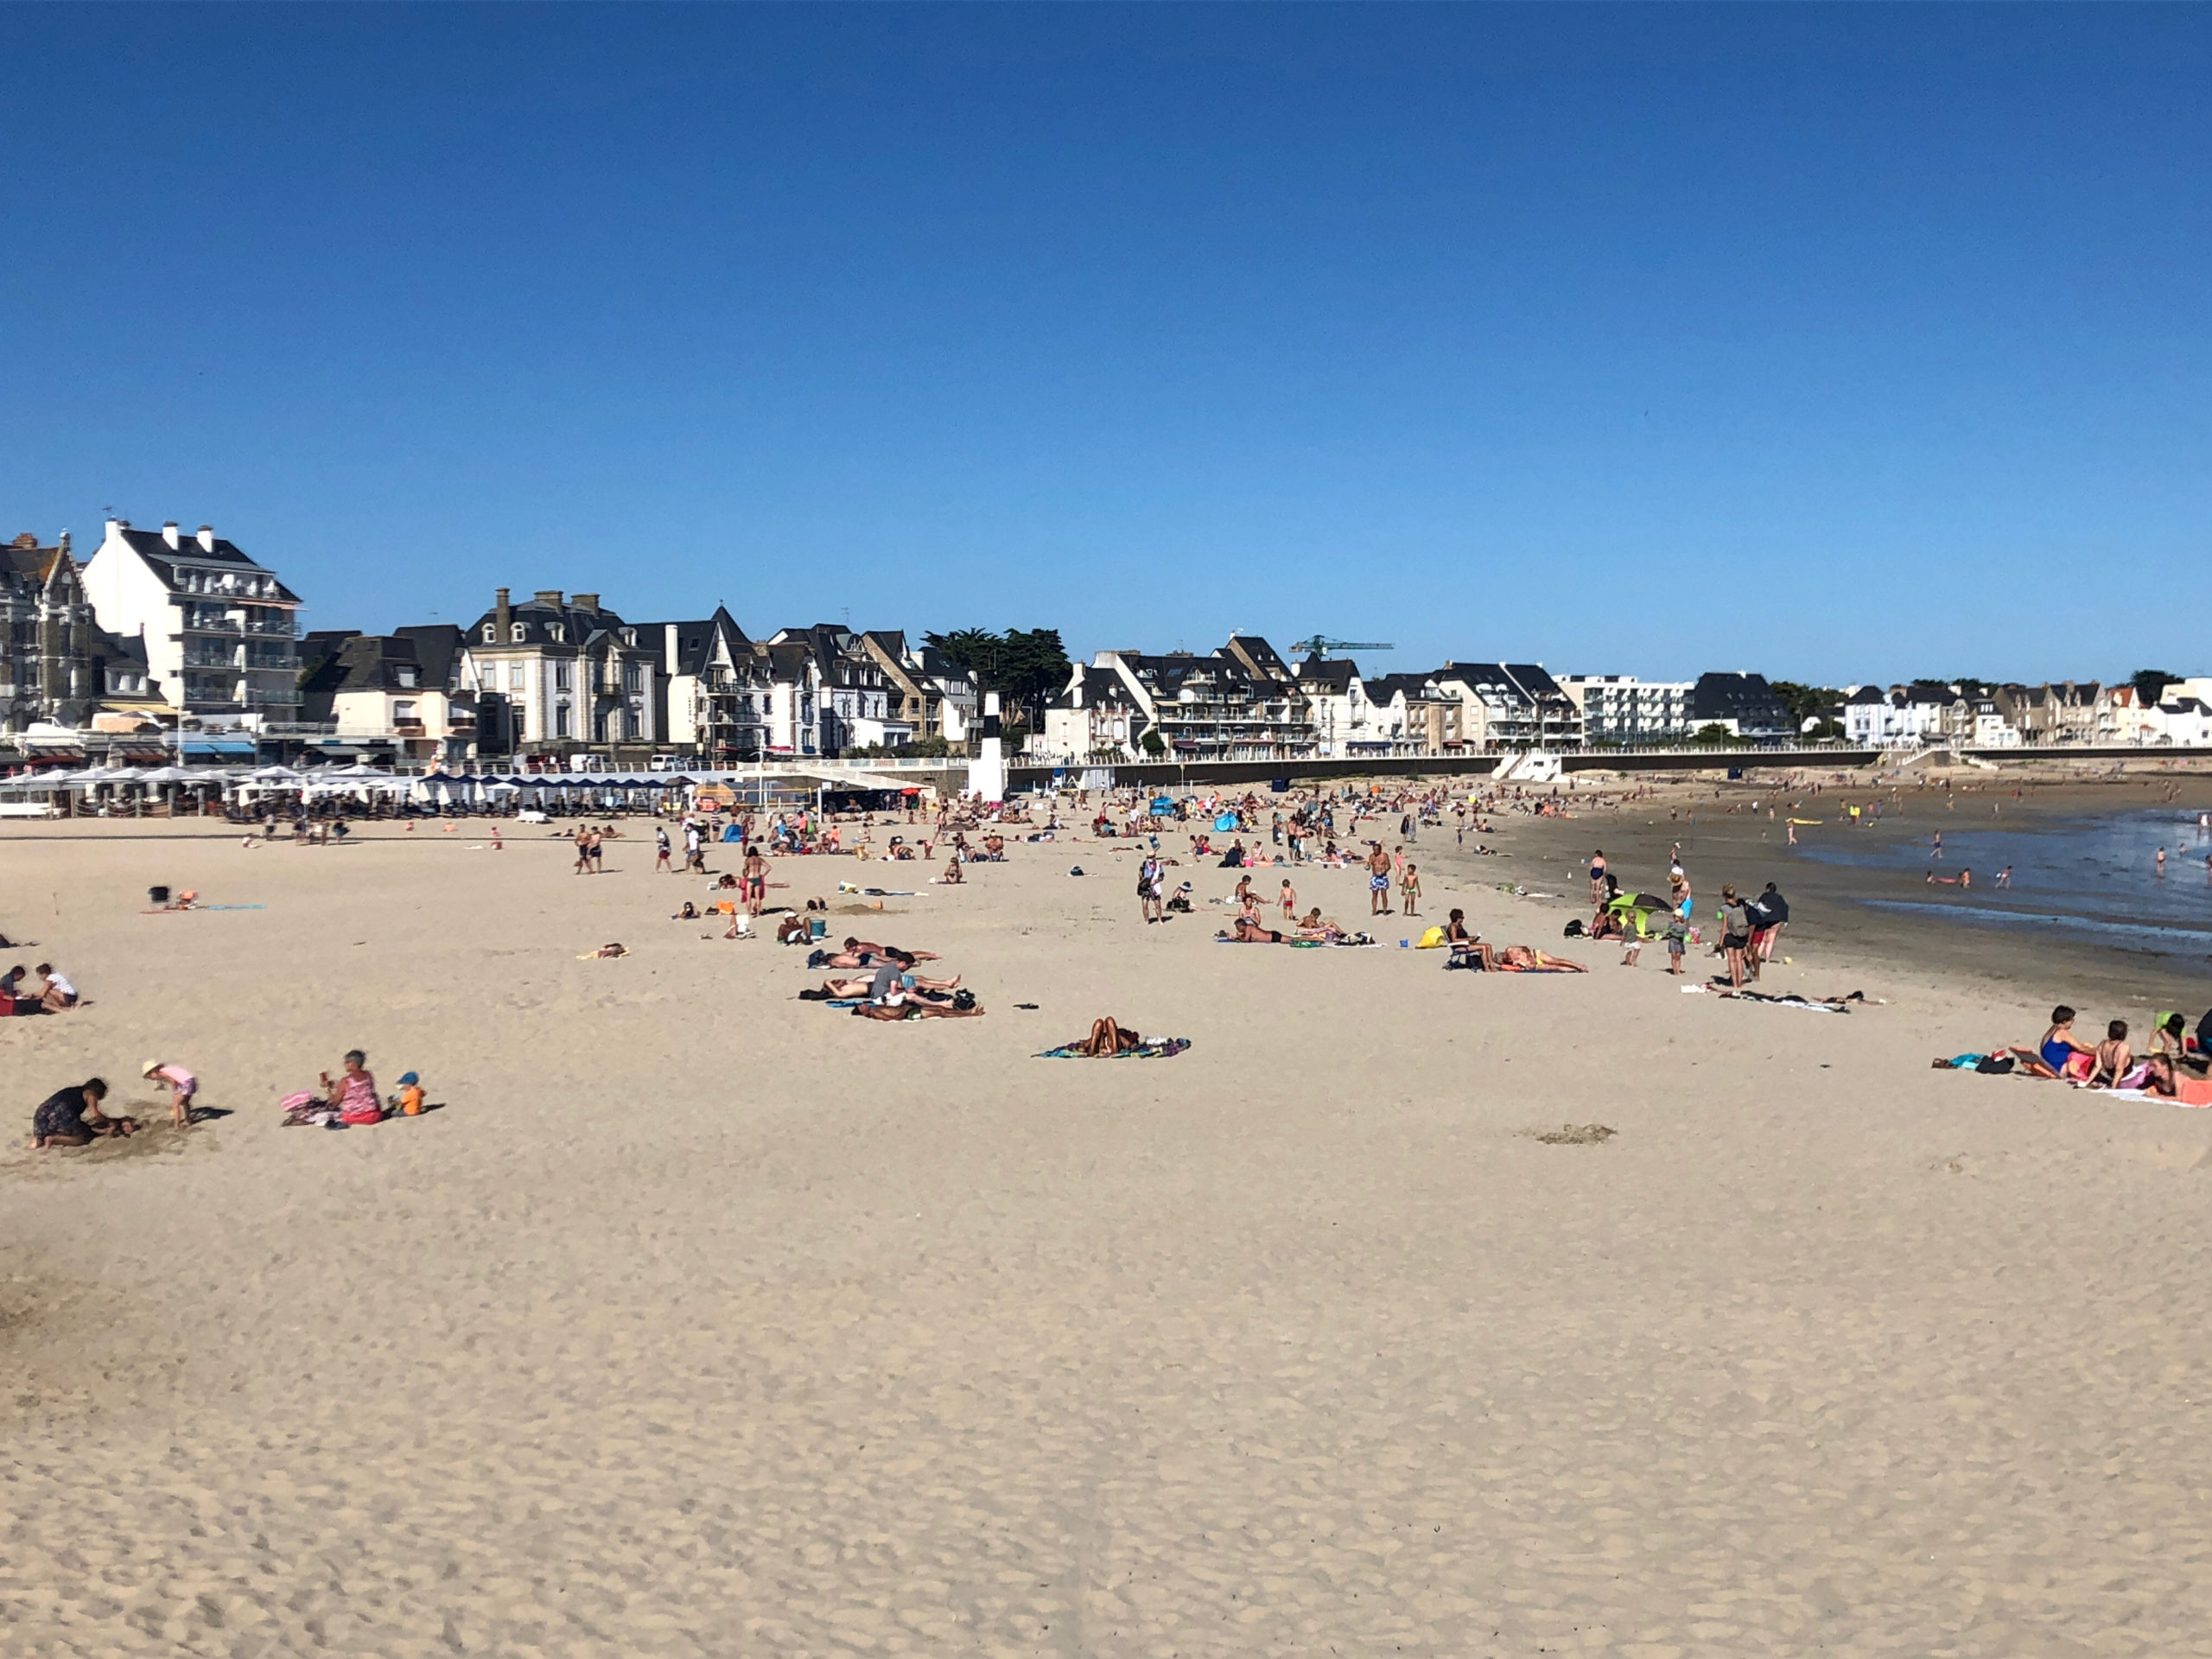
703,1321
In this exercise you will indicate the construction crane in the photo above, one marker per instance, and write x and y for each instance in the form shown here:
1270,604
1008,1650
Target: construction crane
1320,645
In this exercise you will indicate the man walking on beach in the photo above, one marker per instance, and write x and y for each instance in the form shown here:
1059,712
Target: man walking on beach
661,850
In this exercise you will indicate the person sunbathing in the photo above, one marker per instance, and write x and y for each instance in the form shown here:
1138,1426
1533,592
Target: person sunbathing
952,877
1315,926
1246,929
894,972
1108,1038
964,1007
792,930
2165,1081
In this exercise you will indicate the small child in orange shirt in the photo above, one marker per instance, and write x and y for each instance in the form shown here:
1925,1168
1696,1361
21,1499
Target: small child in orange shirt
408,1102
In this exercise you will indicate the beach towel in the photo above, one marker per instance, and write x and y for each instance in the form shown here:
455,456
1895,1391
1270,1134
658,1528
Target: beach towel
1160,1048
1791,1000
170,910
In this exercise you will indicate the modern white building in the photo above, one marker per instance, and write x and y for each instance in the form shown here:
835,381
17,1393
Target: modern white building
1621,709
220,632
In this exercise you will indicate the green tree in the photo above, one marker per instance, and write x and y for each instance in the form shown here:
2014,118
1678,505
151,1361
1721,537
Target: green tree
1027,667
1807,703
1711,733
2151,684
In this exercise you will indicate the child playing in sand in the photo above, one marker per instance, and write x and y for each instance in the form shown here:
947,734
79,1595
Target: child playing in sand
182,1086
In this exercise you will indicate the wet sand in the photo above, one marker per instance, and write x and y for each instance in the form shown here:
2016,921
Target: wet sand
701,1321
2038,968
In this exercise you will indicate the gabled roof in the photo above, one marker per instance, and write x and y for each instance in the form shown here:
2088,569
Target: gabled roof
1415,687
437,650
1333,674
1531,679
694,640
25,564
1489,681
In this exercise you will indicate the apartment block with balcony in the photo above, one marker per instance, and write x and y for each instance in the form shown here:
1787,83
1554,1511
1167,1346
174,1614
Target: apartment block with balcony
1510,706
1240,703
220,632
1621,709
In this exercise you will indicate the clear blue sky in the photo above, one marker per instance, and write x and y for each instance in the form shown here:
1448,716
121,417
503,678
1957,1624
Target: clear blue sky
1835,343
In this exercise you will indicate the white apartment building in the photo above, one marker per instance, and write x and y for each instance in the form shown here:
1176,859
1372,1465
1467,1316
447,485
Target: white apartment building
220,632
1621,709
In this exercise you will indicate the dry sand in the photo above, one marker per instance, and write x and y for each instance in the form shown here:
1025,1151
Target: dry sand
701,1322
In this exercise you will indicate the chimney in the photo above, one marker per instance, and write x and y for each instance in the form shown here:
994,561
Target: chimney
208,538
550,596
65,543
587,603
168,532
501,612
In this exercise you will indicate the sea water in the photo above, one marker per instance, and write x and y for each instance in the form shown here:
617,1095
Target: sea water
2093,877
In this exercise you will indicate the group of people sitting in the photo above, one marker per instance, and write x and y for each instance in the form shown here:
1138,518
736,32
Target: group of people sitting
54,995
882,983
2173,1070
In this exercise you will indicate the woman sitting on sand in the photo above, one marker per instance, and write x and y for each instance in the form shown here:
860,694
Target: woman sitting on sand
353,1091
2058,1055
2114,1057
72,1117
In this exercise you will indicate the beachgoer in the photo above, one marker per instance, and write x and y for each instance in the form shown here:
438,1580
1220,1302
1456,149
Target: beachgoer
1678,941
353,1091
72,1117
1597,876
661,848
1108,1037
756,880
2058,1053
57,993
1289,896
182,1086
2114,1057
1735,934
1378,880
2167,1082
1410,891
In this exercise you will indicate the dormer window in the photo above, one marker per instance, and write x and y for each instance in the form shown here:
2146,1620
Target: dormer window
491,633
558,633
518,632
